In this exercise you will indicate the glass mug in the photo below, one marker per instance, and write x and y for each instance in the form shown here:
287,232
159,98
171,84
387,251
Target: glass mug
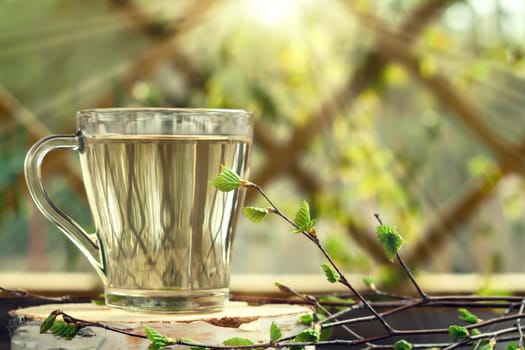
163,233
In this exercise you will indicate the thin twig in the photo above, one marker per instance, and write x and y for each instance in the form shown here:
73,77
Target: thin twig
406,269
315,240
314,301
83,323
368,318
394,307
411,277
25,294
518,323
345,282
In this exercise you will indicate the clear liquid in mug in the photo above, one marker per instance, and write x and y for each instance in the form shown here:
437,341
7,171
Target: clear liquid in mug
166,231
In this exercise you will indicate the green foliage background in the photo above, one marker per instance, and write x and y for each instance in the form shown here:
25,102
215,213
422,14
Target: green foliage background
394,147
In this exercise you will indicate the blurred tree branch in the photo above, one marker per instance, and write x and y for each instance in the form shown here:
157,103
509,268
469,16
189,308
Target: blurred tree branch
164,46
440,87
449,218
364,76
164,49
12,113
370,70
284,158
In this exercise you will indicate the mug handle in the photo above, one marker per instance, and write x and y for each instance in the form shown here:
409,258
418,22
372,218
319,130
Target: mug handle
89,244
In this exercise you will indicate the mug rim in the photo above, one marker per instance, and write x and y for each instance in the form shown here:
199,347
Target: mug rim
165,109
160,121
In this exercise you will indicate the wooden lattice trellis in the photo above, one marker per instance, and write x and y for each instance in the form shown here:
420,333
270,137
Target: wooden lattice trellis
391,46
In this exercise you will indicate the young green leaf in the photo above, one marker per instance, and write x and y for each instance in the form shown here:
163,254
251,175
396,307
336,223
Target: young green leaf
237,341
326,333
275,332
309,335
48,323
70,331
64,330
488,344
370,282
467,316
331,275
255,214
303,220
306,319
402,345
100,302
282,288
332,299
226,181
336,299
512,346
458,332
391,240
296,347
191,341
156,338
57,327
476,343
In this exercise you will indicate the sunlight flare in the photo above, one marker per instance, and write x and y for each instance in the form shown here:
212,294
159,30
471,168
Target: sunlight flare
273,13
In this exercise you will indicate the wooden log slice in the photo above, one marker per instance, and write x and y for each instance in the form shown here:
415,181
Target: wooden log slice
238,319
